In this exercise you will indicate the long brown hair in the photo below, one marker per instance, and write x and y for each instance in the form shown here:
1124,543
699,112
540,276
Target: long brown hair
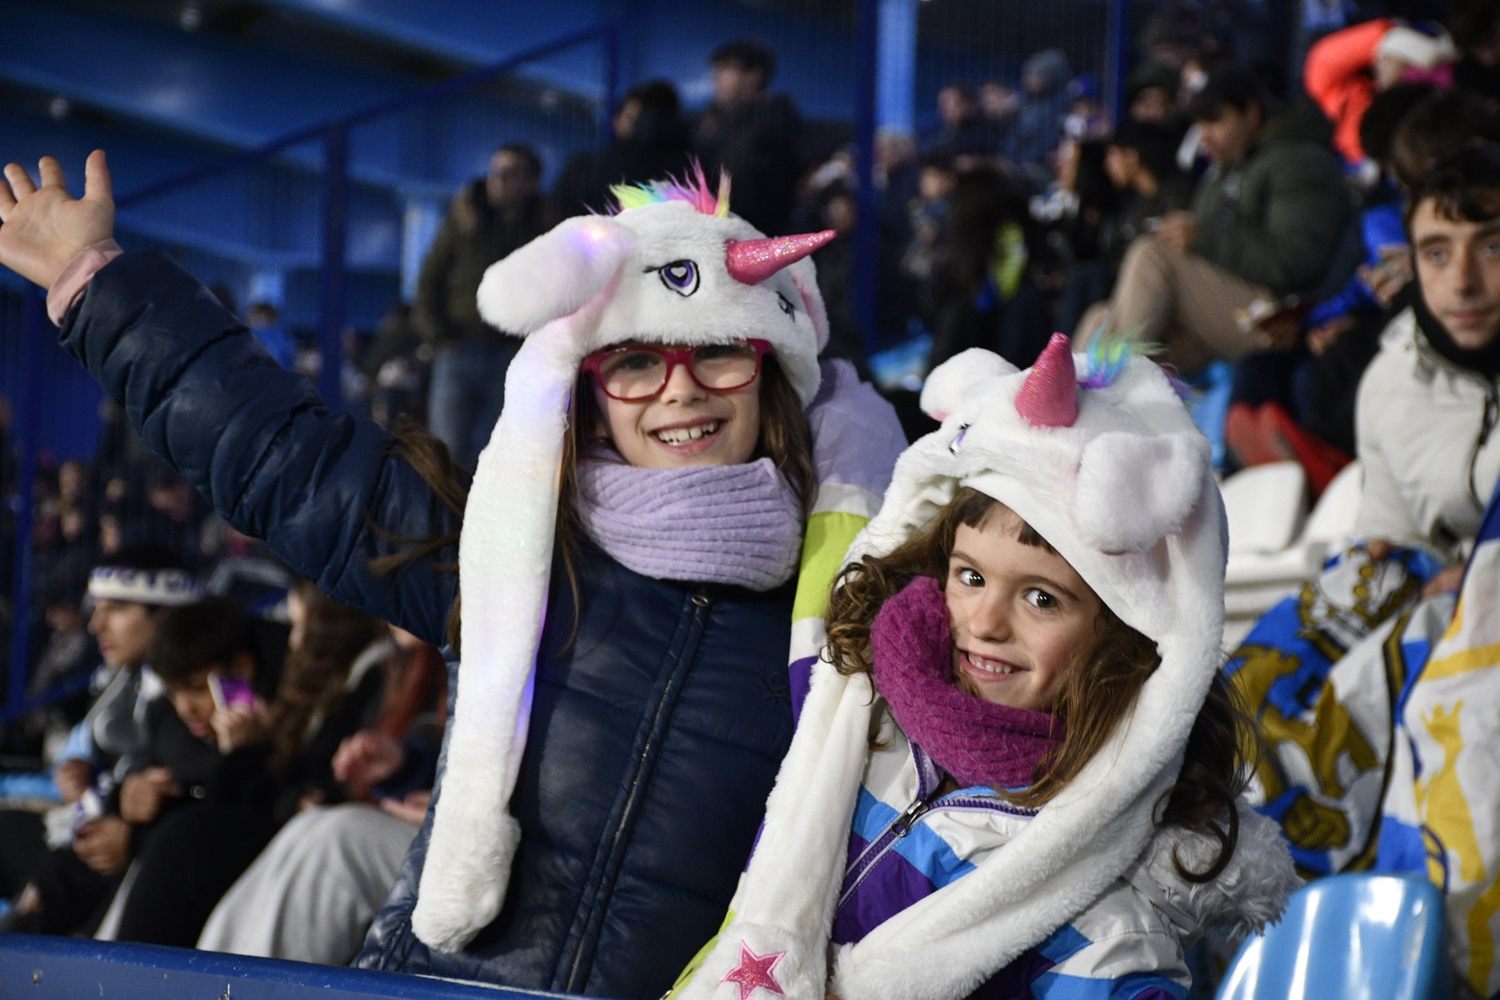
784,438
313,678
1097,693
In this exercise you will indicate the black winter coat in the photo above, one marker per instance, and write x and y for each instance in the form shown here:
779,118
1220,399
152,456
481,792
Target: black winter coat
655,736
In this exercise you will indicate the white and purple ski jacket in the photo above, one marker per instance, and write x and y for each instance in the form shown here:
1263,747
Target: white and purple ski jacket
907,841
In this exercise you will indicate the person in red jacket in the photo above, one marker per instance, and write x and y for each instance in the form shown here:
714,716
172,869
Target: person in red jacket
1345,71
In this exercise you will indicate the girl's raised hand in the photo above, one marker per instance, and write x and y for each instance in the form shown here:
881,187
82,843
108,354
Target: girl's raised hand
44,228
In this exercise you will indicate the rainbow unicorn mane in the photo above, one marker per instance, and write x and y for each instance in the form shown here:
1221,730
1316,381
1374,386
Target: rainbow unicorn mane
692,188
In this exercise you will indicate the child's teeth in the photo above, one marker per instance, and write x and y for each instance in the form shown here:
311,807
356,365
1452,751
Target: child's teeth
684,434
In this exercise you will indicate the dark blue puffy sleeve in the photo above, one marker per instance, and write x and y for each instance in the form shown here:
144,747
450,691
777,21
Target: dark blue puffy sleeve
324,491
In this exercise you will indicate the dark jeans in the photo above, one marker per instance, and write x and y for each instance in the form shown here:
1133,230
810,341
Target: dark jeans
191,859
467,394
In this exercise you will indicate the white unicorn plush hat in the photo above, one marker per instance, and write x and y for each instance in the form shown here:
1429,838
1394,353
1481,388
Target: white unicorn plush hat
673,266
1110,470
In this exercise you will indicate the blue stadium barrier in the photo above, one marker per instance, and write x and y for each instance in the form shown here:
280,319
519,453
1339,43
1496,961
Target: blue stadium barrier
50,968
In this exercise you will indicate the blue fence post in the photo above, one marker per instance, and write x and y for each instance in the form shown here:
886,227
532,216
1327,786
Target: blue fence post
1117,57
335,236
24,415
867,232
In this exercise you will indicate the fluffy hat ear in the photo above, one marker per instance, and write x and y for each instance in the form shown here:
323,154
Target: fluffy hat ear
944,389
554,275
1117,508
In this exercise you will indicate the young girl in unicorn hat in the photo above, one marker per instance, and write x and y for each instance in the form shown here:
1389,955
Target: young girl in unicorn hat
672,482
1017,771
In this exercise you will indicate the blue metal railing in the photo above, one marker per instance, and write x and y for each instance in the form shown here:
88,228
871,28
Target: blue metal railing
52,968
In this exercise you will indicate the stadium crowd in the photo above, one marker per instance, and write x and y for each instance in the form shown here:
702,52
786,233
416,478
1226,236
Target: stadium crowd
229,759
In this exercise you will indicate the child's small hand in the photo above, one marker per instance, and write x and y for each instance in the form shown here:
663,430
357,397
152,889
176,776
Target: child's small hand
367,758
104,845
142,794
412,808
241,726
72,778
45,228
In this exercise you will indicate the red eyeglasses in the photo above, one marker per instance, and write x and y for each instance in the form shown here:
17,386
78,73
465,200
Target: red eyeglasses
636,373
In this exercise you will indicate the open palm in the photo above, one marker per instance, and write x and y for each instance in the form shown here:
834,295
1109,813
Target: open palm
45,227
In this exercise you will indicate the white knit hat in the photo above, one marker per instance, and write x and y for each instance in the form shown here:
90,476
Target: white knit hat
1111,471
672,267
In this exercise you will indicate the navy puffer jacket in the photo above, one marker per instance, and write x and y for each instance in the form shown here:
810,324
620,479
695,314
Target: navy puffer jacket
655,734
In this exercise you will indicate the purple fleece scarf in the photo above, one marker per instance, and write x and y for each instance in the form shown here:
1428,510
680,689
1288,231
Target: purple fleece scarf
734,524
977,742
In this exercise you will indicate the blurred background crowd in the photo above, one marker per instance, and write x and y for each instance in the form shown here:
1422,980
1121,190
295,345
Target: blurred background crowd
1236,201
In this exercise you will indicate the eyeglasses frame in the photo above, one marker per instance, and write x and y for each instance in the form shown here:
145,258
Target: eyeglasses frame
683,357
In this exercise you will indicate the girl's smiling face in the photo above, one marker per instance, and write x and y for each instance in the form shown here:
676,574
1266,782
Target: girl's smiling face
1021,616
685,425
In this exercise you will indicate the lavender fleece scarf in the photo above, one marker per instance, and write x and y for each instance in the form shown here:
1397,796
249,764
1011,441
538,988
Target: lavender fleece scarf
733,524
977,742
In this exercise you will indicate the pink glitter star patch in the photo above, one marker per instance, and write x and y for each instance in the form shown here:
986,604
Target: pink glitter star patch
754,972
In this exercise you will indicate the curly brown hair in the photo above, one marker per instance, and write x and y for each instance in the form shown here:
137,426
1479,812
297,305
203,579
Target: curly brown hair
1097,693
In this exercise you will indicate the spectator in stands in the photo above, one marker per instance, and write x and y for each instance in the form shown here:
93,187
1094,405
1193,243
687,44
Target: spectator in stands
1179,33
650,140
313,891
1141,161
1476,32
488,219
1087,119
998,106
1039,123
1309,417
67,887
1263,226
276,758
961,130
927,220
1151,93
1345,70
984,293
753,134
1426,402
1074,213
1437,128
264,320
1121,188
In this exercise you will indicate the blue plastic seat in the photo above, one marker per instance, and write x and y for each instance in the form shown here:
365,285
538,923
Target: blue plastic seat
1348,936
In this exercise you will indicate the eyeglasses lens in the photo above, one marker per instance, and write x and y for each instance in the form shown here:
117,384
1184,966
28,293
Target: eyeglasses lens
640,374
724,366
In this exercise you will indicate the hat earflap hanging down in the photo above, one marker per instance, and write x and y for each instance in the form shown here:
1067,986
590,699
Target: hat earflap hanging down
671,267
1106,465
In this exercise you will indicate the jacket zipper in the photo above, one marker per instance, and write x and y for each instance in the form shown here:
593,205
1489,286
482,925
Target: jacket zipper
701,602
926,802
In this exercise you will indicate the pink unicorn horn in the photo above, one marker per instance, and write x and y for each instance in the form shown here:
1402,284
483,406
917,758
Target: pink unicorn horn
1049,397
752,261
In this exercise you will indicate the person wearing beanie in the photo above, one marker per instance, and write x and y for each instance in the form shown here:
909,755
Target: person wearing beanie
90,844
646,543
1017,772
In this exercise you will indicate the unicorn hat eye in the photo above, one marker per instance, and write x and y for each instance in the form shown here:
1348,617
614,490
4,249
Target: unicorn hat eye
681,276
786,305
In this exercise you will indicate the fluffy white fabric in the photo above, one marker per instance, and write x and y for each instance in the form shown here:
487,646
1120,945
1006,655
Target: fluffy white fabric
1162,572
560,270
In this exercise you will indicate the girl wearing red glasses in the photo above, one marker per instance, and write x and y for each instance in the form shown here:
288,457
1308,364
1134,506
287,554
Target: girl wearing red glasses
646,543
